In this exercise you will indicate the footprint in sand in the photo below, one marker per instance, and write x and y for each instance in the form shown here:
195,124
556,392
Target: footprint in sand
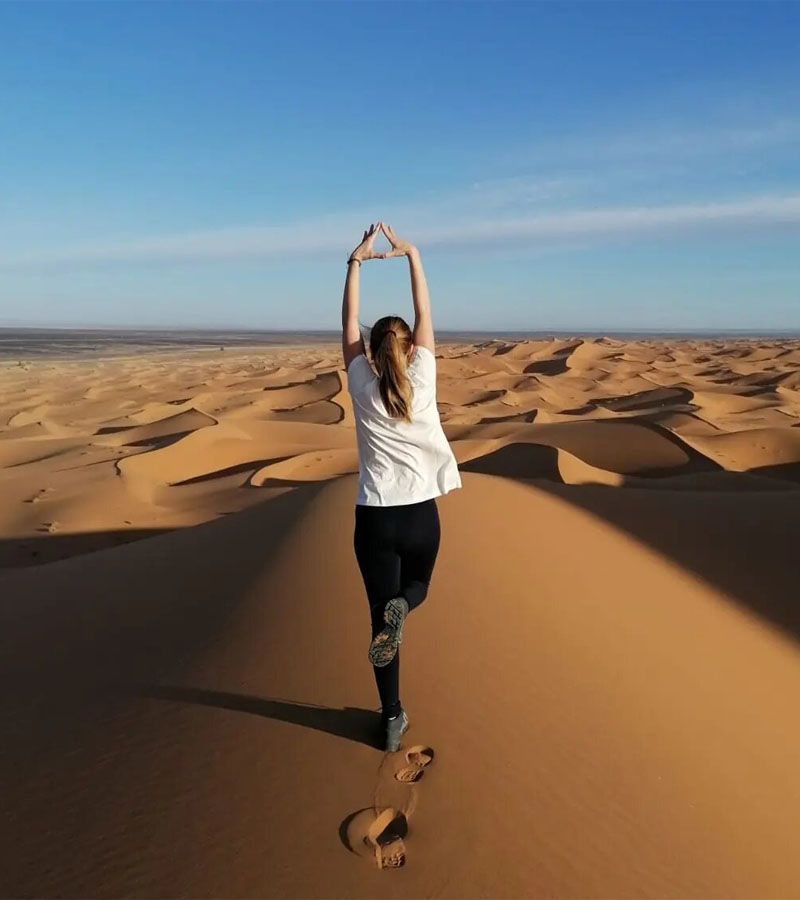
385,837
378,831
417,757
378,835
49,527
41,495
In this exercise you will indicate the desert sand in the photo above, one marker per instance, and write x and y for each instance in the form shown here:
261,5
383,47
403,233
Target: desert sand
602,684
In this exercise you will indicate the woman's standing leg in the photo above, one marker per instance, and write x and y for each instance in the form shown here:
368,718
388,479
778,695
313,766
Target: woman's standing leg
379,562
419,540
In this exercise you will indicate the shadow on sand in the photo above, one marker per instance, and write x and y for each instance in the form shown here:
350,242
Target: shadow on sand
351,723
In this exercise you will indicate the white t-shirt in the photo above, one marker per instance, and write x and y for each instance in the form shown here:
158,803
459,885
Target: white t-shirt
400,462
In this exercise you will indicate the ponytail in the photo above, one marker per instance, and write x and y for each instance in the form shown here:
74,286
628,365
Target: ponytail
390,341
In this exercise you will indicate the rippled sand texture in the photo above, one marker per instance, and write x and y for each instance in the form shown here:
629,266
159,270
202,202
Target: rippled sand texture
607,664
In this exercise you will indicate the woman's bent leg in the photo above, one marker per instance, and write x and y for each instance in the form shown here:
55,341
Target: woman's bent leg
380,569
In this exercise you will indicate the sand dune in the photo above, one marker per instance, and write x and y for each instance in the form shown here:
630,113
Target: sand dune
752,449
618,728
169,427
601,685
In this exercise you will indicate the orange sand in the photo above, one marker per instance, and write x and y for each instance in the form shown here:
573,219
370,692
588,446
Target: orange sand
606,668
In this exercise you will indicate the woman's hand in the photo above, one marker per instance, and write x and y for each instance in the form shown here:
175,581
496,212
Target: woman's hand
364,249
399,246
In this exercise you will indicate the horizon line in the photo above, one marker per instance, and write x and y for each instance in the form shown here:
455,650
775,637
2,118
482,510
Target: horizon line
336,332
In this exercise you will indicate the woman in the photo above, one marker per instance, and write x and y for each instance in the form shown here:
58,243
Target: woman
404,461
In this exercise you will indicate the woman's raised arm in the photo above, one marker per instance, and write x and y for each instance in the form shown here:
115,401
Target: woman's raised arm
423,321
352,342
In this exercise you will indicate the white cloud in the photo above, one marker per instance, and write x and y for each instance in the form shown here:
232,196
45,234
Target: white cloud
664,141
750,213
429,226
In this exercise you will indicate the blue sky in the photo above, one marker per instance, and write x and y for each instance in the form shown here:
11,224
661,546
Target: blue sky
567,166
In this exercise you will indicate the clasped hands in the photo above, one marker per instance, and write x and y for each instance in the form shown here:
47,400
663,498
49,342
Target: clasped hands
364,249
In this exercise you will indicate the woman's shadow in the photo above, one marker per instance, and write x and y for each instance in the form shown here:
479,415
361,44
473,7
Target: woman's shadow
359,725
353,724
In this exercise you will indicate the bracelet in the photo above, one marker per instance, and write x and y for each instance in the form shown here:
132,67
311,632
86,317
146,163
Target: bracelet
353,259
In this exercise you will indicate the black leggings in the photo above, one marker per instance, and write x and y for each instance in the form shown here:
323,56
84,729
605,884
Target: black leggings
396,549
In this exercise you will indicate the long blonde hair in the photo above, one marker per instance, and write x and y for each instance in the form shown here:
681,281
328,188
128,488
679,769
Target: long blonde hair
389,342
